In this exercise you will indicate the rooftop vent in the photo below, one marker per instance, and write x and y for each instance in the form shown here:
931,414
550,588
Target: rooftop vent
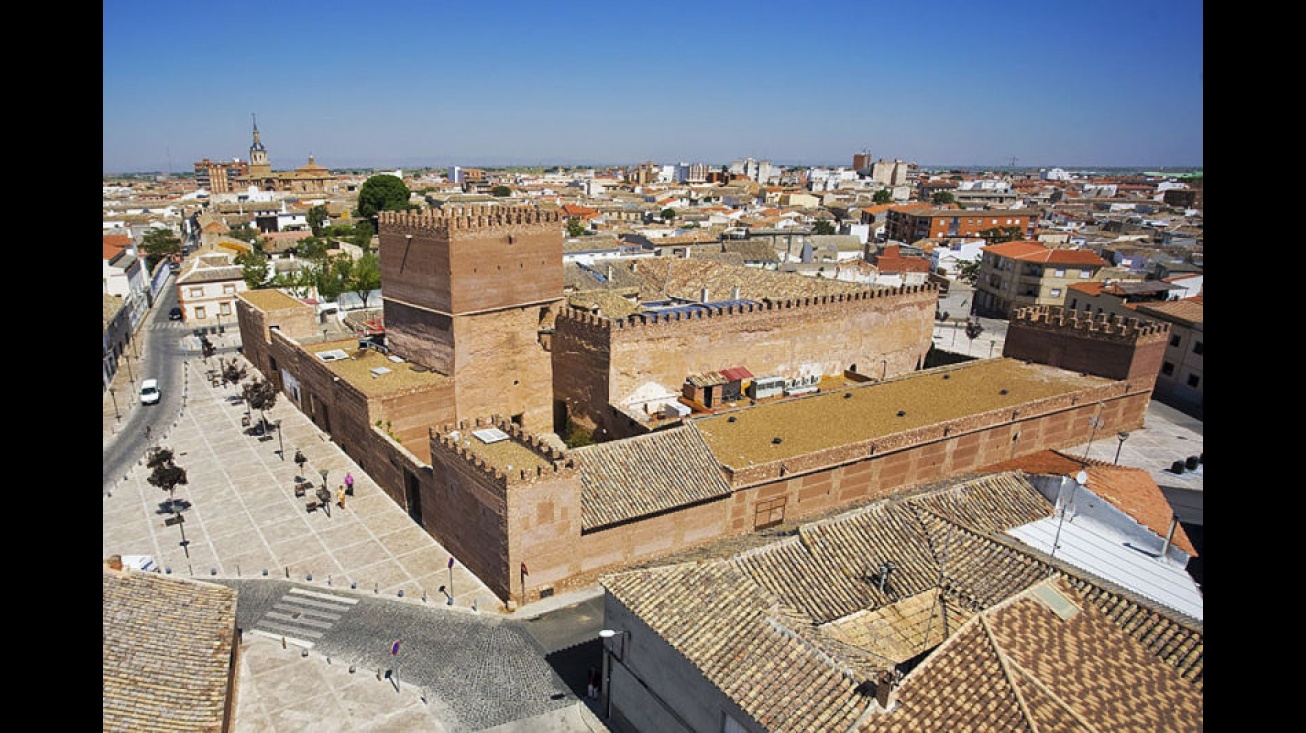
902,413
777,440
1002,391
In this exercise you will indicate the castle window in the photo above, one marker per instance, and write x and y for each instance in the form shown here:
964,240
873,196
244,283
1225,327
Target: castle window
769,513
1197,347
1193,379
1174,340
1167,369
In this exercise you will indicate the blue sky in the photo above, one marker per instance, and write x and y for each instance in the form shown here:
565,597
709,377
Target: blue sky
409,83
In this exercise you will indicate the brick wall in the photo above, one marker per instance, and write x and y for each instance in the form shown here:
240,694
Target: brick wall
879,335
1104,345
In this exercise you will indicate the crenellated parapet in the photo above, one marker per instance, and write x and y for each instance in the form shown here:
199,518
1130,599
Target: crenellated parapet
466,218
1100,326
585,321
523,458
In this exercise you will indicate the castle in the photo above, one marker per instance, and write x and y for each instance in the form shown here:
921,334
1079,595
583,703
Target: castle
456,414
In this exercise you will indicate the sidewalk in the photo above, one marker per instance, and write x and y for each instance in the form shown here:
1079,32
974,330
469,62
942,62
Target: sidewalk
244,521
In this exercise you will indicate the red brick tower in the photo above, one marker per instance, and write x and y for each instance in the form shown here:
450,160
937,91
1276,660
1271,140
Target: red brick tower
465,293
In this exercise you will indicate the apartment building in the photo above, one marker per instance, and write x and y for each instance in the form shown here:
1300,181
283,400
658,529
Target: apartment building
912,225
1025,273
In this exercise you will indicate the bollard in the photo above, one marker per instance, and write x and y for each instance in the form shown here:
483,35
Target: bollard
353,585
378,674
376,587
213,571
351,669
309,577
401,592
283,642
328,580
265,572
237,570
303,653
423,595
287,571
167,570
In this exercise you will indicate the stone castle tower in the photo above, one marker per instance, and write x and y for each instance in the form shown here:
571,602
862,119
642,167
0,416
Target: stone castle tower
470,293
1104,345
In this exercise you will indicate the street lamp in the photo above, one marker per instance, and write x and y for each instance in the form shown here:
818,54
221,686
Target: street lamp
127,360
116,415
1121,436
607,666
1080,479
281,447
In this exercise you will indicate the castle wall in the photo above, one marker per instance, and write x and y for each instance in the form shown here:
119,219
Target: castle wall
500,367
1104,345
878,334
560,558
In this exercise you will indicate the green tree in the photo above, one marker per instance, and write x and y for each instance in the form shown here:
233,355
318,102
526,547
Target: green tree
973,329
997,235
968,272
317,219
575,228
158,244
668,214
313,249
245,233
823,226
943,197
883,196
232,373
382,193
300,281
365,276
500,191
254,268
362,235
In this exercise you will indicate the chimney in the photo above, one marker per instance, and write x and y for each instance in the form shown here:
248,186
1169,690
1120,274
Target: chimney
734,293
1174,522
703,296
609,272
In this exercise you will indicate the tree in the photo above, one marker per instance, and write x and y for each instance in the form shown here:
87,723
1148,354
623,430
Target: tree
973,330
575,228
254,268
883,196
823,226
997,235
500,191
317,219
313,249
158,244
365,276
245,233
260,395
382,193
232,373
164,473
968,272
943,197
668,214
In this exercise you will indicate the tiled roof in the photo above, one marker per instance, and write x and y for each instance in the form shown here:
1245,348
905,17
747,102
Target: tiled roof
790,629
167,652
1036,252
1131,490
1022,666
1187,311
626,479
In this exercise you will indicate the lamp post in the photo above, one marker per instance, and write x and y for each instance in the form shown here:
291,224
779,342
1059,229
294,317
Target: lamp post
1121,436
116,415
132,377
1080,479
281,447
607,666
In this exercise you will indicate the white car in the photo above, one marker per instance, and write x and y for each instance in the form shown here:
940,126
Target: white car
149,392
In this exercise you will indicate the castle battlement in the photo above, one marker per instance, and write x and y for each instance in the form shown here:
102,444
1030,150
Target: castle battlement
1103,326
466,218
549,461
590,321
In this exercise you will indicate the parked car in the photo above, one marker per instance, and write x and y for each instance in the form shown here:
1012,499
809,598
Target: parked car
149,392
174,314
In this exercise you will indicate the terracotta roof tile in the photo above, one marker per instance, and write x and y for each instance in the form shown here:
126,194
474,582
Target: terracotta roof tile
630,478
167,652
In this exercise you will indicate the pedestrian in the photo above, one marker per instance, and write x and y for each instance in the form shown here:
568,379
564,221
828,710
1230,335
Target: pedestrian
349,484
340,496
593,690
300,460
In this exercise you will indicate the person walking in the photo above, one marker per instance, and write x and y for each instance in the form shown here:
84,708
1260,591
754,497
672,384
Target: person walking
593,689
349,484
340,496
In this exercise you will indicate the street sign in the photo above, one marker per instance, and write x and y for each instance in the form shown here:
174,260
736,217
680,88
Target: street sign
394,649
451,563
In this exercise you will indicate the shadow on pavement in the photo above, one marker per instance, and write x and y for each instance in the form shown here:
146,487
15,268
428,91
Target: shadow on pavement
573,666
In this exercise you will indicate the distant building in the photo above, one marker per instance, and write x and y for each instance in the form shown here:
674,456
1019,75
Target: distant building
310,178
1024,273
910,225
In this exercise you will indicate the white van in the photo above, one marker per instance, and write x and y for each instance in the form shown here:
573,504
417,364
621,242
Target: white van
149,391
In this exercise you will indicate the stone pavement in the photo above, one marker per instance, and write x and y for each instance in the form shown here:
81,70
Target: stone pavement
243,521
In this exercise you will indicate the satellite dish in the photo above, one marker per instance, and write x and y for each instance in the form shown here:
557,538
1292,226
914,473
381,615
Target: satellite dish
1082,477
